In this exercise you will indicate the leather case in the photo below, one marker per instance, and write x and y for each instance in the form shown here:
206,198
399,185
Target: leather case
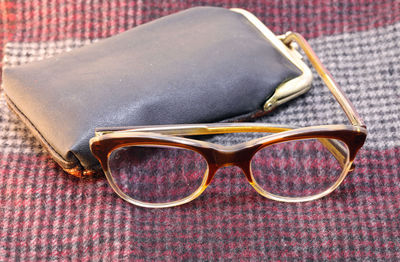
200,65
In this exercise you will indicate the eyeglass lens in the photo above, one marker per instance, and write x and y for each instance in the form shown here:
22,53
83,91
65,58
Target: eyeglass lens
157,174
298,168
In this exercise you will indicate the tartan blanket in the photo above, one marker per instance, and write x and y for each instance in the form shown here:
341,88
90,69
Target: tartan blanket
46,214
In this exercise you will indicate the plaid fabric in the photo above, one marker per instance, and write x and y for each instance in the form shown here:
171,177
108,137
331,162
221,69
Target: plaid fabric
48,215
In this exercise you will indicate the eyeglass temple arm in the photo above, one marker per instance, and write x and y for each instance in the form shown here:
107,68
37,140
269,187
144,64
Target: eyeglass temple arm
339,95
199,129
337,150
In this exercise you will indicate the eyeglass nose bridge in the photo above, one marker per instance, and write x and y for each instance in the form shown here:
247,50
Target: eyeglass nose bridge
225,158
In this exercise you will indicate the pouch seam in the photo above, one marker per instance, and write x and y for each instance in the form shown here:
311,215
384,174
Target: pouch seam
65,164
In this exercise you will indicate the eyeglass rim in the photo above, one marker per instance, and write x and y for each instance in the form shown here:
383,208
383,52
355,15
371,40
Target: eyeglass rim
102,146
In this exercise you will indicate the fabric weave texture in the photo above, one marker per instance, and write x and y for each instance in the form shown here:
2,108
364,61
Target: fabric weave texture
46,214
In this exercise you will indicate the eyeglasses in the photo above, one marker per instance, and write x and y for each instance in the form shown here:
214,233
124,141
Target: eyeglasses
160,166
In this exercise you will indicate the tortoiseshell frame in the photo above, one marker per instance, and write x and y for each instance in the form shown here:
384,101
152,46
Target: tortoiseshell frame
217,156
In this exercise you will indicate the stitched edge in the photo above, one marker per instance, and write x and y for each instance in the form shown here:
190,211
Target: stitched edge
71,167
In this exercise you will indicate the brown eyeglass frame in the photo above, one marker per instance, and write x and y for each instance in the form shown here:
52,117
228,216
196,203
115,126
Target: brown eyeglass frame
217,156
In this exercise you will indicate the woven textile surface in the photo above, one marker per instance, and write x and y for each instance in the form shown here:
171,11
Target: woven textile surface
46,214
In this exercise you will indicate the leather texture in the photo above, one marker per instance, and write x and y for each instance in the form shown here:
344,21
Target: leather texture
204,64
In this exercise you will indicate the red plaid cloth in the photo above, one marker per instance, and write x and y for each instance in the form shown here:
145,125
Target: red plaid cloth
46,214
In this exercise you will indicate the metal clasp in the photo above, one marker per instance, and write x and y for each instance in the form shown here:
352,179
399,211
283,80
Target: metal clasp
294,87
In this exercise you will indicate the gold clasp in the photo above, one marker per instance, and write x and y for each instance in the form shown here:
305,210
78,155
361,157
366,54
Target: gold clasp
293,87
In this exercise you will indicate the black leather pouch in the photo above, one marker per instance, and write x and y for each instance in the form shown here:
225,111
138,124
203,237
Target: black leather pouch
201,65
